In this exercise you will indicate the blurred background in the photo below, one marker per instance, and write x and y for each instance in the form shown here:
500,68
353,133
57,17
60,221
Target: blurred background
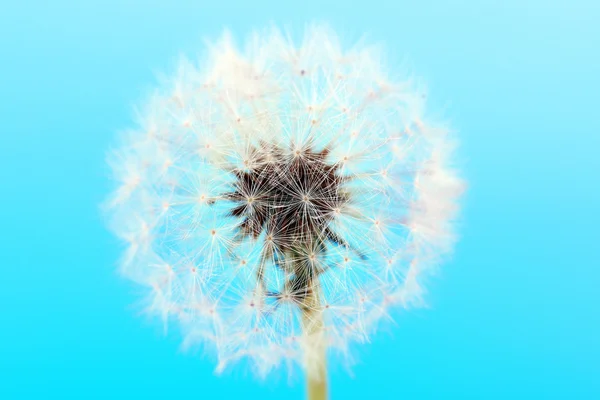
513,315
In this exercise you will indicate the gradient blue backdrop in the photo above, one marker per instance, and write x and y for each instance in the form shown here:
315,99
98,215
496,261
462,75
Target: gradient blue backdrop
514,315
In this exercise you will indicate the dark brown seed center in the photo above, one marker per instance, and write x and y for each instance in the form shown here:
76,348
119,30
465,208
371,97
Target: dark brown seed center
293,200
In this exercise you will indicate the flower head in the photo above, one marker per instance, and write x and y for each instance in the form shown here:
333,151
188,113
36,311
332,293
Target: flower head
280,182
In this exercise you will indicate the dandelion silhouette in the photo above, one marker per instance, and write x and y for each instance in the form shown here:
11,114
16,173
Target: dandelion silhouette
276,202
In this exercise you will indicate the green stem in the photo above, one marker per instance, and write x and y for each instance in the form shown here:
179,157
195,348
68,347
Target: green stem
312,324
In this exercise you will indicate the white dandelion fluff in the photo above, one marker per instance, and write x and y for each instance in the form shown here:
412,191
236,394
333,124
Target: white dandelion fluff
278,201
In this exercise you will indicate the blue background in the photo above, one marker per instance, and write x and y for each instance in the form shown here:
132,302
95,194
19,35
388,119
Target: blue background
514,315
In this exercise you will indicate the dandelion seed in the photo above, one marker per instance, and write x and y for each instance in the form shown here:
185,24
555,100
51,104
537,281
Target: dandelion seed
276,211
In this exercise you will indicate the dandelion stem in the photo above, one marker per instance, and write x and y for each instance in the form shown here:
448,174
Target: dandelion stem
315,357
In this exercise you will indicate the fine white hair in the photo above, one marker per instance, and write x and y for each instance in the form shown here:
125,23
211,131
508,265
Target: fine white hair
207,121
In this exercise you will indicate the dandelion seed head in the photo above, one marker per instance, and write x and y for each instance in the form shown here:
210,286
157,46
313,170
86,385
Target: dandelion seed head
258,173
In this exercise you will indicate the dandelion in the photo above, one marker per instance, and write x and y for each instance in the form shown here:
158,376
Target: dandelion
278,201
